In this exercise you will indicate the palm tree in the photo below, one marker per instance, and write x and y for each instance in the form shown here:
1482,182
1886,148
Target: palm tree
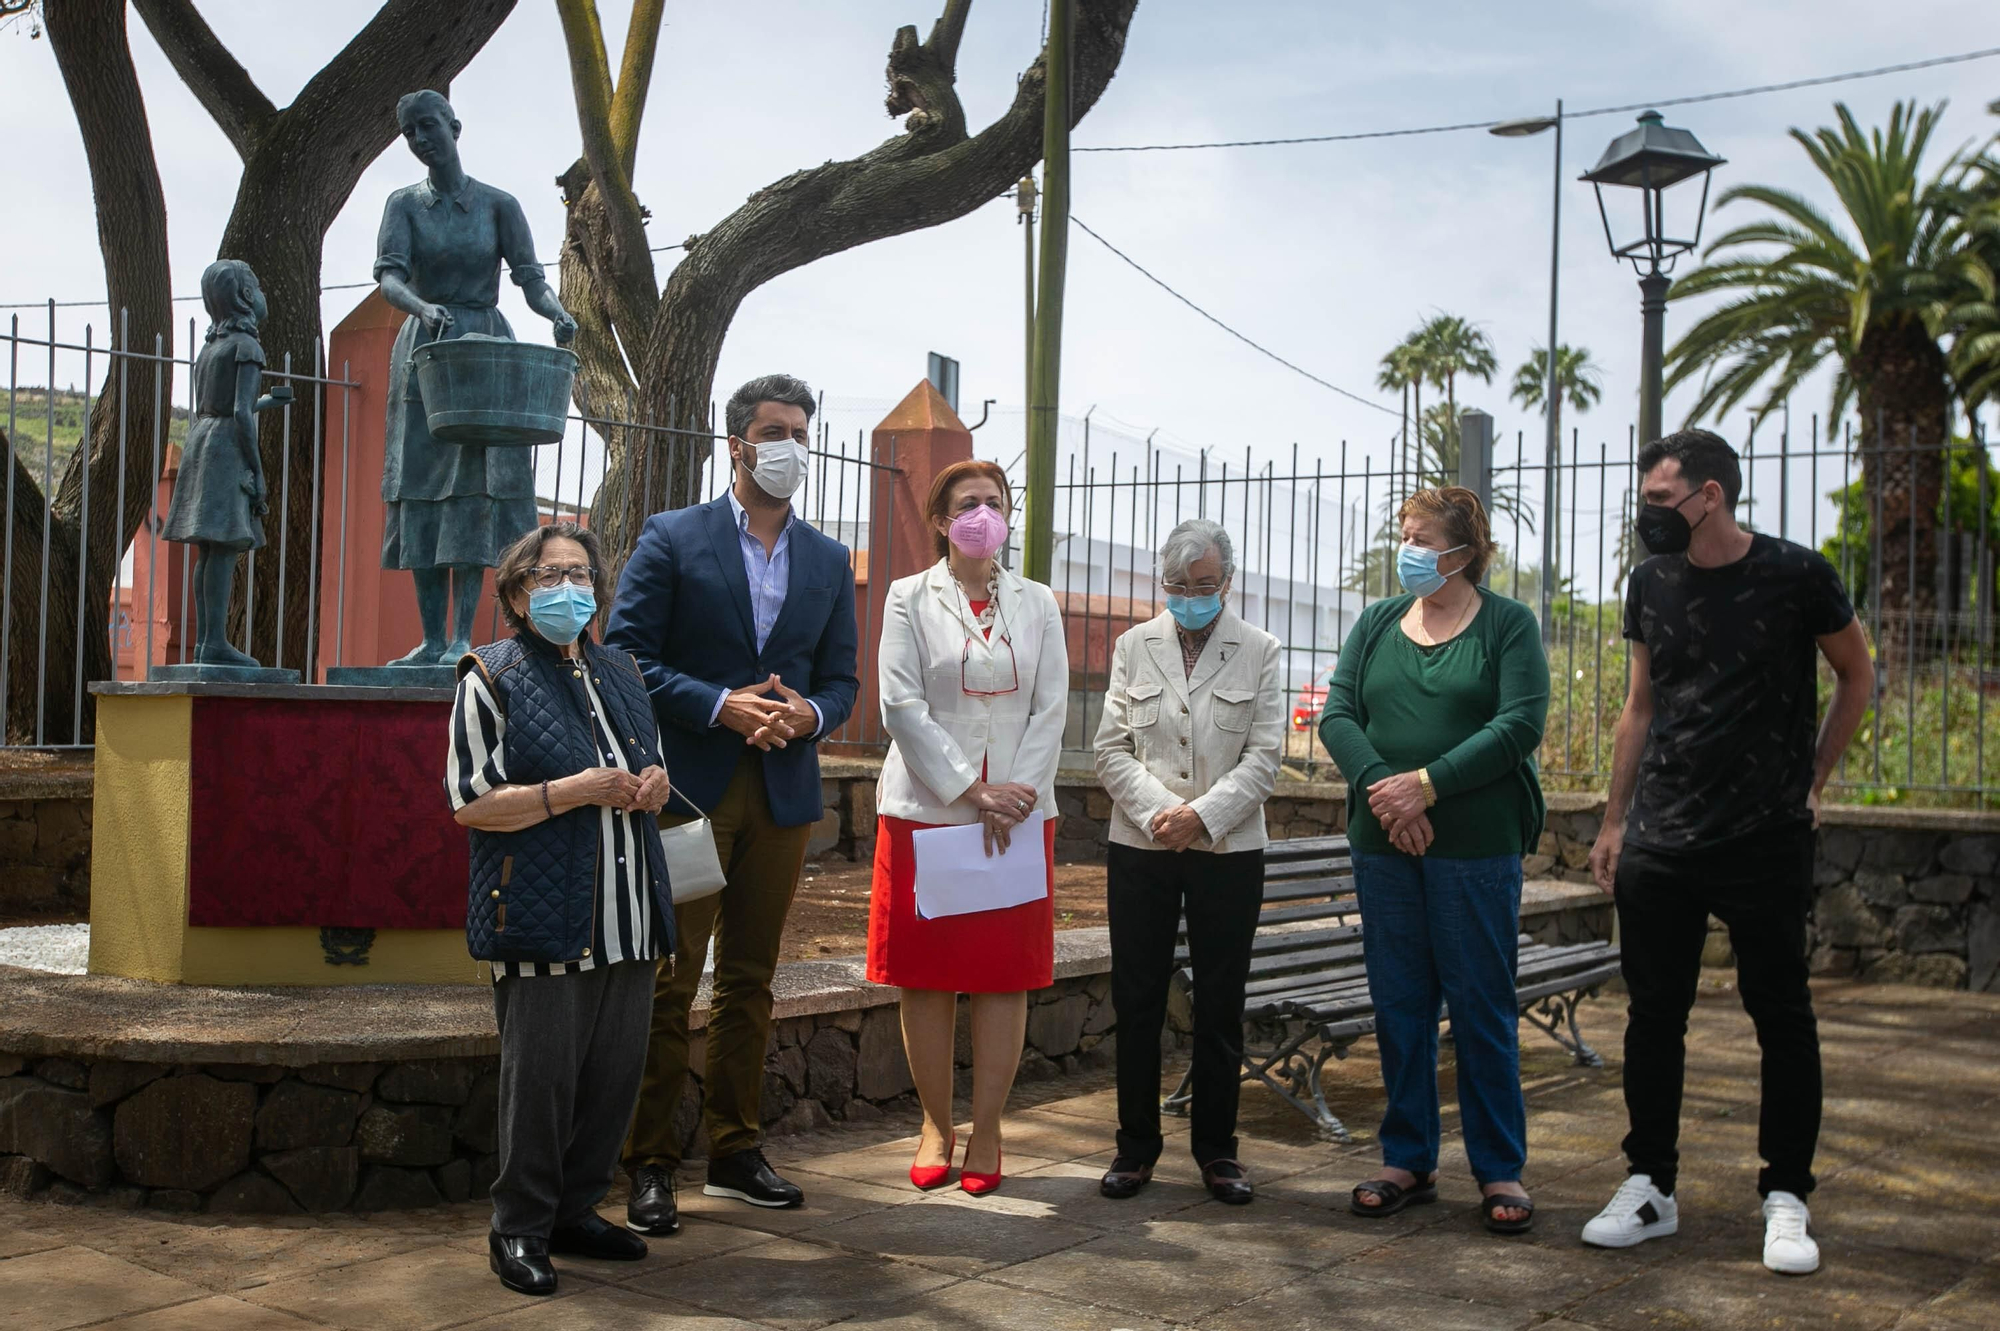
1975,351
1453,346
1403,369
1579,382
1873,288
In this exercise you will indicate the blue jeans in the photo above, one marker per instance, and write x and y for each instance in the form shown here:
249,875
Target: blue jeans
1444,930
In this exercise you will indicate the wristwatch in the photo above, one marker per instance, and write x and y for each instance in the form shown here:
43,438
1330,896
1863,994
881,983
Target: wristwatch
1430,791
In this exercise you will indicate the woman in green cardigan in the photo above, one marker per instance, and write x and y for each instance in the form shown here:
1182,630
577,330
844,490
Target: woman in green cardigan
1434,715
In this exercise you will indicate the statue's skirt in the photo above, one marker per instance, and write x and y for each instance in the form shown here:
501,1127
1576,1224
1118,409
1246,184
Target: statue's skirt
448,504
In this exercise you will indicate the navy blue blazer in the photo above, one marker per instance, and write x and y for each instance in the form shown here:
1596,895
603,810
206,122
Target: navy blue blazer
683,609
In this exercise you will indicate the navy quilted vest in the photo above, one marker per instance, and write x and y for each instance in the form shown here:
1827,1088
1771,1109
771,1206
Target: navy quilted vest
533,895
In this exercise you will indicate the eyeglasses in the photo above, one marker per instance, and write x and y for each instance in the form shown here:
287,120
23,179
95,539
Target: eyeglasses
1182,589
1014,671
553,575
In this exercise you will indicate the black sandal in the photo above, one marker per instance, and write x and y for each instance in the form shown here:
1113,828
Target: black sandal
1512,1201
1394,1196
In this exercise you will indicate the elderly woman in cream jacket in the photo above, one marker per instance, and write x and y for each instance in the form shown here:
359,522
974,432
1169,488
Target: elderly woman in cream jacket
975,689
1188,751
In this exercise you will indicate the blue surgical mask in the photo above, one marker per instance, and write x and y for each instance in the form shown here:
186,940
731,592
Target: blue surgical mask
1194,613
1417,569
559,613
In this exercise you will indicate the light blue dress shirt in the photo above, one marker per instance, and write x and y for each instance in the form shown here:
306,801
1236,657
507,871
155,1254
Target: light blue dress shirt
770,576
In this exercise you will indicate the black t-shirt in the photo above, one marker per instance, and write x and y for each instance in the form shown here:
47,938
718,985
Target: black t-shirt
1735,692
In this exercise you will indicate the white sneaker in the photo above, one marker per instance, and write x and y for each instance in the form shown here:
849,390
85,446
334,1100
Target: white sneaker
1638,1212
1788,1247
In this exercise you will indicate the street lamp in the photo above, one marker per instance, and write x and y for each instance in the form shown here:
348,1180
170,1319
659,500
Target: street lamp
1551,396
1652,159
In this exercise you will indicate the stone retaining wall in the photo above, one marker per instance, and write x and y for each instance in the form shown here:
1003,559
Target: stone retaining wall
45,838
240,1138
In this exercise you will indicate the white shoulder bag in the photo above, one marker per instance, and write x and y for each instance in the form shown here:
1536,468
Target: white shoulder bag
694,870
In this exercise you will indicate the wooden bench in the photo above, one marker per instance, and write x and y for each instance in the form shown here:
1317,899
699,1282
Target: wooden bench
1307,998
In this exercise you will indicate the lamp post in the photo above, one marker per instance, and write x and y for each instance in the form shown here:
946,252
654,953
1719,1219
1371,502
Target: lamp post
1551,396
1652,159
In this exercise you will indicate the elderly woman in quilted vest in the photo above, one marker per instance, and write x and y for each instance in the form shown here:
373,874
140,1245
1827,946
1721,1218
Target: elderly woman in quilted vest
555,767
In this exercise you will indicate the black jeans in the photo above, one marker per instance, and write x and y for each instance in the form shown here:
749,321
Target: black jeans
1760,889
1146,891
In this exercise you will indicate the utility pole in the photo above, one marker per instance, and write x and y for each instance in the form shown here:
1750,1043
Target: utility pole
1045,375
1024,203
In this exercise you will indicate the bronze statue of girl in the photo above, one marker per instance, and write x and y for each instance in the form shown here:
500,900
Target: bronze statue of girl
450,509
220,498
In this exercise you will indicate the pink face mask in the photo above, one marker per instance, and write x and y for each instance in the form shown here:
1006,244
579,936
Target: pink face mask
979,532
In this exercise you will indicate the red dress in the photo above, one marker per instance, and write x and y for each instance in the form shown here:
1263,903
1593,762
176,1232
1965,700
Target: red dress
988,952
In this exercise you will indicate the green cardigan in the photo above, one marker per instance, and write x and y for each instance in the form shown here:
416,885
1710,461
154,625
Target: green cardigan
1495,762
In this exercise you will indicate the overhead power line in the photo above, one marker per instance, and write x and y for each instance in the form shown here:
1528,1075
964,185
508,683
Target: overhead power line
1815,82
1253,345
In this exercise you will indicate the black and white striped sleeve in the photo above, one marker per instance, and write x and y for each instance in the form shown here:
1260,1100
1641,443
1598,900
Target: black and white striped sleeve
476,763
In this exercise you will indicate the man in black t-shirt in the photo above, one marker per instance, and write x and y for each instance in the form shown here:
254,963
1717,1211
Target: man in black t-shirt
1717,770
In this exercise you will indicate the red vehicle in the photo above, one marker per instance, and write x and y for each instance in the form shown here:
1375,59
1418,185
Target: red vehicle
1311,701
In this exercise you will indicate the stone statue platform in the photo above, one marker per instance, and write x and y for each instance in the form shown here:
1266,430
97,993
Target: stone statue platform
271,834
218,674
393,677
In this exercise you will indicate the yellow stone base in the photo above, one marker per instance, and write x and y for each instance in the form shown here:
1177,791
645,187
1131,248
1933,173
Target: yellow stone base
139,879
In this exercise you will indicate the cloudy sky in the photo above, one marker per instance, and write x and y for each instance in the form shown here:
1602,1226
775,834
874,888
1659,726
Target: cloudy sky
1325,253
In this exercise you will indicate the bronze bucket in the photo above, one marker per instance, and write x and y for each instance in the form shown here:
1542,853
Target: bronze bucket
494,391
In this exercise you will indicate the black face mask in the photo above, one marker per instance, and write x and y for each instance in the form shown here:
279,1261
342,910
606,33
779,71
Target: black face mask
1664,529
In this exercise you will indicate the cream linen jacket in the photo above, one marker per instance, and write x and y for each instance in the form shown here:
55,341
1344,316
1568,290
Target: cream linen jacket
931,652
1210,739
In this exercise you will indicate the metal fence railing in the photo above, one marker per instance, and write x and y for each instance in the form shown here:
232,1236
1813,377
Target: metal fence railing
89,591
1912,527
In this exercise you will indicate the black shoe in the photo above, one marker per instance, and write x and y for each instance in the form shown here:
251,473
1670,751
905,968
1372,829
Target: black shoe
1226,1182
1124,1179
522,1264
652,1209
748,1177
594,1236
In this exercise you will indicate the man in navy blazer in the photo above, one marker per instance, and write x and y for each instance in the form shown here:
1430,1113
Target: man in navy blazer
742,618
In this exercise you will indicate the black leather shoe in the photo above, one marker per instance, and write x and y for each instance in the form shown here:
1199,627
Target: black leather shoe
1226,1182
594,1236
652,1209
522,1263
748,1177
1124,1179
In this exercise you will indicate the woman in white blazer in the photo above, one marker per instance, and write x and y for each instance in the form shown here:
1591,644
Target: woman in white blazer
1188,750
975,689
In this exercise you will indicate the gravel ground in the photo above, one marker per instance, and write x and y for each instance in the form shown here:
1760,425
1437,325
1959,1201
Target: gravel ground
59,948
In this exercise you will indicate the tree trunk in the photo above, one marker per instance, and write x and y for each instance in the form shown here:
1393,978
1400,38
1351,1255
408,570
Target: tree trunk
1904,404
933,172
89,41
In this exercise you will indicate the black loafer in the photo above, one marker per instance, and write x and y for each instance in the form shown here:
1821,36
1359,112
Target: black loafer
1124,1179
522,1263
594,1236
748,1177
1227,1182
652,1209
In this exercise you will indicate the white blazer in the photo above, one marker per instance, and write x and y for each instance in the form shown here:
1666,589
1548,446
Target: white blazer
931,652
1210,740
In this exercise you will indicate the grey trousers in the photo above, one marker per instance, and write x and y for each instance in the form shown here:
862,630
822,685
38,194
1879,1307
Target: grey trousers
572,1048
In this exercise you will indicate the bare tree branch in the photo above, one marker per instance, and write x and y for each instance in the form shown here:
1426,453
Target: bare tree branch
635,76
622,264
222,86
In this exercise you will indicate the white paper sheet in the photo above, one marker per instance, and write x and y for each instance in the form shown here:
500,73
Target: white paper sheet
955,875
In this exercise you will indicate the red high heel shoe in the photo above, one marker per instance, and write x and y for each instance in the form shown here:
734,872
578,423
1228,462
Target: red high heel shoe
926,1177
979,1184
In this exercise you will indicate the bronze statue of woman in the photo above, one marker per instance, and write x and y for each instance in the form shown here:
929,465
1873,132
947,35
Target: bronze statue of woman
451,509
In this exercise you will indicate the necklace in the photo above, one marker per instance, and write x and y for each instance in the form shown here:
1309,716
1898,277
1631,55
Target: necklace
984,618
1457,624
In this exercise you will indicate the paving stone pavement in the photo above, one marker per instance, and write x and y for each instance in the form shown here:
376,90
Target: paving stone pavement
1906,1215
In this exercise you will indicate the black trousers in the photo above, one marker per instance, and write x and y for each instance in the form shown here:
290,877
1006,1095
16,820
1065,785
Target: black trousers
1762,891
1147,890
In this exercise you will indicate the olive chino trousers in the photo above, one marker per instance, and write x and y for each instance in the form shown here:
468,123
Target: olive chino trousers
761,861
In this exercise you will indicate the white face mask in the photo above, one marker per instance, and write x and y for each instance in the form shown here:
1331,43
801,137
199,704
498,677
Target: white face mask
781,467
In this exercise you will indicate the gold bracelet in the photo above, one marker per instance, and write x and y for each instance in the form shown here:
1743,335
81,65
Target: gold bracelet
1430,791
